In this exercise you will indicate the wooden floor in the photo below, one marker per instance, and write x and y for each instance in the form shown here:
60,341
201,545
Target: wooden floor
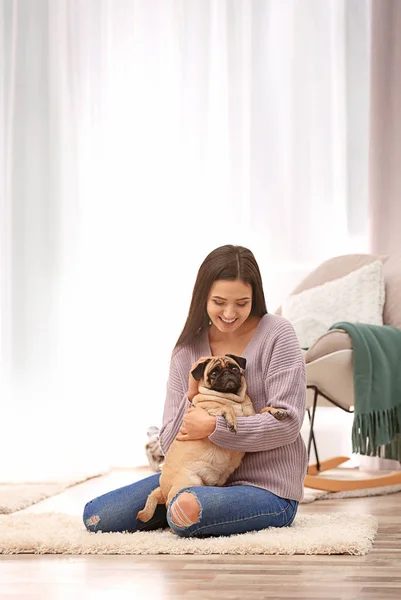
376,576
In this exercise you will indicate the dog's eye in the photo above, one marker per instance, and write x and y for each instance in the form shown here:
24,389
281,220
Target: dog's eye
214,372
234,368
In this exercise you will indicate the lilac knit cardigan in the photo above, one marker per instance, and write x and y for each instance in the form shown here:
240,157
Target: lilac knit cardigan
276,457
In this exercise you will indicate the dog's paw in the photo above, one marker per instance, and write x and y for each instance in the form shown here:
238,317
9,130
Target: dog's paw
142,516
277,413
231,426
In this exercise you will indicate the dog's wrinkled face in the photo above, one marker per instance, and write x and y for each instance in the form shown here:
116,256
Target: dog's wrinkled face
221,373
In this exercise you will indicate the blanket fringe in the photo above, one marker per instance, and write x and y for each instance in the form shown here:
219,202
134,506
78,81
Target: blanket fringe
378,433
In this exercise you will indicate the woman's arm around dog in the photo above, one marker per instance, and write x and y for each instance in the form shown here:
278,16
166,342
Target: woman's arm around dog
283,373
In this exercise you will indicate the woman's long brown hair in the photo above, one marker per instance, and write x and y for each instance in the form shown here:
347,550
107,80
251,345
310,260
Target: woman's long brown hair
228,263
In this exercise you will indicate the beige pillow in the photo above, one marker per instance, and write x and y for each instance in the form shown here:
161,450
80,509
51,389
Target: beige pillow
357,297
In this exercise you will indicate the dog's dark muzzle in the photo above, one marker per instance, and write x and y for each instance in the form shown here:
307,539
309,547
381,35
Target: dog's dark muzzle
228,381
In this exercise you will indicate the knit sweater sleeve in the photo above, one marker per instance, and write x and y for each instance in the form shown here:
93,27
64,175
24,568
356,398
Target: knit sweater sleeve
176,403
284,386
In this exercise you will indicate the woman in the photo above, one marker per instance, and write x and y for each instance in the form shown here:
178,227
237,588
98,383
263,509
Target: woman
227,315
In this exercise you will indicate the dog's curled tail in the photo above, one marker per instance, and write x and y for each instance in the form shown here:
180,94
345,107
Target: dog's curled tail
154,498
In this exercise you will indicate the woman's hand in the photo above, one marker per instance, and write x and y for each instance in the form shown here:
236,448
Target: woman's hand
197,424
192,383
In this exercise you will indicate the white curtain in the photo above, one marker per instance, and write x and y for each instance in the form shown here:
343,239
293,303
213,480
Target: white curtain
136,136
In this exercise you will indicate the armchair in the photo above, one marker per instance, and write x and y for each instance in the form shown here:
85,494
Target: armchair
329,365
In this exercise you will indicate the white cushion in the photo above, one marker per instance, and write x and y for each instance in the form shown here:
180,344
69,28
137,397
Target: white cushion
357,297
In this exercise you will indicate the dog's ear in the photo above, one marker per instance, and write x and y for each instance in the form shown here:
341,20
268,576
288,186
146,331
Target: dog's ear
199,370
239,359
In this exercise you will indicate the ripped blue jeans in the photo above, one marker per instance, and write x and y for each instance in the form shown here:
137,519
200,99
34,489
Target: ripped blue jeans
223,510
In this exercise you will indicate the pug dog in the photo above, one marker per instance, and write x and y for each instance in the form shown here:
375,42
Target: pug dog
222,392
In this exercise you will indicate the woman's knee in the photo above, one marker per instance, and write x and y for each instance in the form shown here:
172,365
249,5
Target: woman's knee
116,512
184,511
91,516
100,516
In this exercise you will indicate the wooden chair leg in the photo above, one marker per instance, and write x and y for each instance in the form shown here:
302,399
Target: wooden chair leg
341,485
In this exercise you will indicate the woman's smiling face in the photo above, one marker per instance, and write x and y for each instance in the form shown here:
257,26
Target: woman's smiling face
229,304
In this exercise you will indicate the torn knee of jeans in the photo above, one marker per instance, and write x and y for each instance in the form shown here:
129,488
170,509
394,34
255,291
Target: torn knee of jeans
185,510
92,521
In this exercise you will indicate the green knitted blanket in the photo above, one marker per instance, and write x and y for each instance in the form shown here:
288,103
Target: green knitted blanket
377,387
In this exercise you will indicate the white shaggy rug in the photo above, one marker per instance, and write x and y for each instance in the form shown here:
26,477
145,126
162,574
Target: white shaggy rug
54,533
16,496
